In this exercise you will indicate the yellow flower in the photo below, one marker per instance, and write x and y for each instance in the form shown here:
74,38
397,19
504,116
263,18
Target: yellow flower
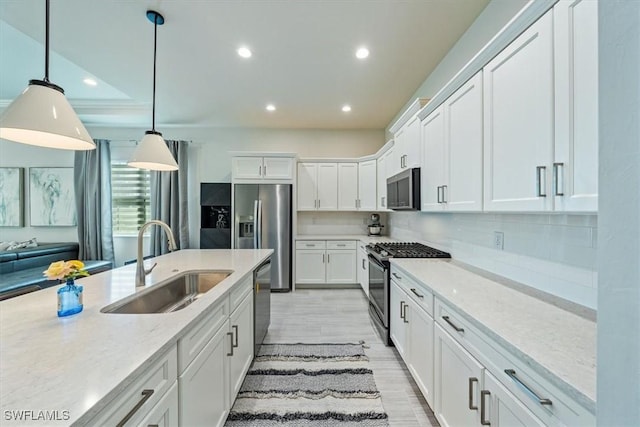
63,270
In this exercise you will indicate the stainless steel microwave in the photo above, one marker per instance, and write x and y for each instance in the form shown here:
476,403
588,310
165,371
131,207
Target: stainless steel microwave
403,190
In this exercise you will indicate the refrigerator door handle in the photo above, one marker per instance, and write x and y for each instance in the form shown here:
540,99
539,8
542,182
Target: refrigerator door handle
257,224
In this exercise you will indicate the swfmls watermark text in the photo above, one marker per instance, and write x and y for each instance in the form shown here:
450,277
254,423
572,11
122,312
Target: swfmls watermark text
36,415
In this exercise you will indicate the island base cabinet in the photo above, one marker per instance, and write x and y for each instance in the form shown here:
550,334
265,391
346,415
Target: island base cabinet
204,385
458,382
165,413
420,348
500,408
241,321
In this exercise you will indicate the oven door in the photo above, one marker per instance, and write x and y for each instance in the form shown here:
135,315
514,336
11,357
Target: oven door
379,289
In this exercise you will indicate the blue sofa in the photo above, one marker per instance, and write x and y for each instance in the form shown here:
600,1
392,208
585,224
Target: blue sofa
21,269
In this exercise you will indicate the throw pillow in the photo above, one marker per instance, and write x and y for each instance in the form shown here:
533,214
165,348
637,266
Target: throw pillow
31,243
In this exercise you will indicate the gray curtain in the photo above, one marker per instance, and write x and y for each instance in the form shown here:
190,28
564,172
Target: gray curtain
169,201
92,180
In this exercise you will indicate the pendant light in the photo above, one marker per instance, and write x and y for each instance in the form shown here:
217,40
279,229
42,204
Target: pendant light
42,116
152,152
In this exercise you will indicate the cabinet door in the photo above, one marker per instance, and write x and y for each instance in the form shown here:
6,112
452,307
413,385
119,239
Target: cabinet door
363,270
502,408
397,323
575,171
341,266
390,163
463,124
307,187
412,144
277,168
347,186
396,161
381,172
327,182
204,385
420,349
518,122
458,381
367,180
241,323
432,175
310,266
165,413
247,167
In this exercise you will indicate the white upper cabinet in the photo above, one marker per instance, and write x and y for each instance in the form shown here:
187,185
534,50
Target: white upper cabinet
518,122
258,168
317,186
381,172
575,169
433,173
407,152
347,186
412,147
367,180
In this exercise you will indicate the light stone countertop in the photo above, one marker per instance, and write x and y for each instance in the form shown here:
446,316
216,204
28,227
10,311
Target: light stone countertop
559,344
81,362
361,237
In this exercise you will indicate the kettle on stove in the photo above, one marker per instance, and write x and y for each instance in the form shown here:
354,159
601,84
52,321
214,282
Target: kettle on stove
375,228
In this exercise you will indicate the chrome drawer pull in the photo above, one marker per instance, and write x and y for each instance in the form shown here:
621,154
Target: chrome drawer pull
541,182
402,309
146,395
405,313
541,400
416,294
454,326
235,328
483,421
231,341
471,381
396,276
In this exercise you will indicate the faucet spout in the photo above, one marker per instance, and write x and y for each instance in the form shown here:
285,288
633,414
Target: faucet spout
141,272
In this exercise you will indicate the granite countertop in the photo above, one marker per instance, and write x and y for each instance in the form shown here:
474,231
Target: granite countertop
558,343
361,237
79,363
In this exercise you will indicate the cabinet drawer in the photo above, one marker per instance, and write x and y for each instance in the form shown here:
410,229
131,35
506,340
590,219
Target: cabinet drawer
239,292
194,341
137,400
422,296
311,244
165,413
341,244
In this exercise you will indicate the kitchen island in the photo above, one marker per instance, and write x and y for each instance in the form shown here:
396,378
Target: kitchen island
69,369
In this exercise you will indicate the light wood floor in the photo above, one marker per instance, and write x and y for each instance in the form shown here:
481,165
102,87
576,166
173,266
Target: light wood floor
339,316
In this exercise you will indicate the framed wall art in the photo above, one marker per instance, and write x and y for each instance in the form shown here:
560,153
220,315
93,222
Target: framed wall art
52,201
11,197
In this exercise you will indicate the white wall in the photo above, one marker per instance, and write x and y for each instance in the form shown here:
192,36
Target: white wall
25,156
337,223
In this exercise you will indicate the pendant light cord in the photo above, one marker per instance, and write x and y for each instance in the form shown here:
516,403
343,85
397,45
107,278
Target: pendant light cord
155,48
46,43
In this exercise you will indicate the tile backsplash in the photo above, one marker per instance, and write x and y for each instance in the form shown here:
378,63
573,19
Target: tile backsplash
555,253
337,222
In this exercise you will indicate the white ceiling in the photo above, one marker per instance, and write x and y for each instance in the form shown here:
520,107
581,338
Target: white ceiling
303,59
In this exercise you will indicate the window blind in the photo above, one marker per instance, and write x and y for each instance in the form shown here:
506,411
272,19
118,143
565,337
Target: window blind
130,194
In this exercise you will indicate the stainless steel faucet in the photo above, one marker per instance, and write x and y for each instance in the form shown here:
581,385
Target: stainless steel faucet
141,272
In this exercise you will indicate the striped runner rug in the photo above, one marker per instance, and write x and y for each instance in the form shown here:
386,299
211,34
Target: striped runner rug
309,385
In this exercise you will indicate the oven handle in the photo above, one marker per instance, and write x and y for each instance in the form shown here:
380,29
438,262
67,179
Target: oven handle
373,260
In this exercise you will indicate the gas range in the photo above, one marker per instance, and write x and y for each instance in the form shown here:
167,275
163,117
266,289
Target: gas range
383,251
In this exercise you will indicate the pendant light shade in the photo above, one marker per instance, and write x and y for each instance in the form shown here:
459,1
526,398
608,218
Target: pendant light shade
152,152
42,116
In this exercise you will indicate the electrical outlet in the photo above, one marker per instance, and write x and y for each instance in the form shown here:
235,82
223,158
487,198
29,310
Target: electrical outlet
498,240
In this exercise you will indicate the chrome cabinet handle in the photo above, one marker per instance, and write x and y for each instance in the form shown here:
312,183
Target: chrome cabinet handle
264,170
483,394
260,170
558,179
315,204
328,259
472,380
540,180
444,194
341,245
438,194
323,258
231,341
146,395
402,310
384,201
405,313
416,293
512,374
310,245
363,267
318,203
453,325
396,276
235,328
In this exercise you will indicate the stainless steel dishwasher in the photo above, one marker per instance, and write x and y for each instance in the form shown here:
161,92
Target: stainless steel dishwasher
261,303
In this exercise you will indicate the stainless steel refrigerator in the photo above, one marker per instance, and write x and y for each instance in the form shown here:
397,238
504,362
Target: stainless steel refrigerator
262,220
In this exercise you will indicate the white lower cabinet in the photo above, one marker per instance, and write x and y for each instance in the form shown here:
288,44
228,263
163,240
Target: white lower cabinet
241,323
363,268
397,328
500,408
165,413
322,262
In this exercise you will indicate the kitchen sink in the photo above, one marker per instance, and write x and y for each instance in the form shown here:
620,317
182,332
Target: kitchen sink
172,295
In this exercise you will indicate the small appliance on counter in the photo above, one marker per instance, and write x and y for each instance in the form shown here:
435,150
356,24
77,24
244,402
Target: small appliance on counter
375,228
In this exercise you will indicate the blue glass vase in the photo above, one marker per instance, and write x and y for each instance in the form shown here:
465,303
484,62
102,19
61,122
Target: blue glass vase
69,299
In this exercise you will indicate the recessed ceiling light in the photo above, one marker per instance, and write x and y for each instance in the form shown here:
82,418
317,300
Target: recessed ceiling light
362,53
346,108
244,52
271,107
90,82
